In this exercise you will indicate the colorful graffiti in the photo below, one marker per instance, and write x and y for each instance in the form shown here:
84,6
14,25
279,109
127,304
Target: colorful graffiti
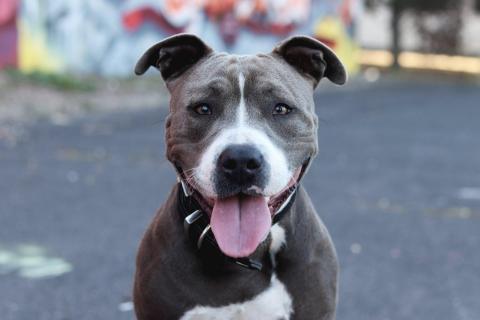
107,36
259,16
8,33
338,31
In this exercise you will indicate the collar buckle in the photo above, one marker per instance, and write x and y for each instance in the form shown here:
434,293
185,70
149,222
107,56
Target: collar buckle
249,263
185,188
191,219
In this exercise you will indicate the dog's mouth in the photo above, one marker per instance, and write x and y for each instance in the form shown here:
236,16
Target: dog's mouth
242,221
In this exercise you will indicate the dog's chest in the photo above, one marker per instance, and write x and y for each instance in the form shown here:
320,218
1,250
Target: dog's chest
272,304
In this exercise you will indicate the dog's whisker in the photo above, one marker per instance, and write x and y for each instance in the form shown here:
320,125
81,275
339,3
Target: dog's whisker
190,176
190,170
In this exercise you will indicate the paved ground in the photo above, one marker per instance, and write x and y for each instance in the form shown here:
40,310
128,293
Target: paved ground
397,182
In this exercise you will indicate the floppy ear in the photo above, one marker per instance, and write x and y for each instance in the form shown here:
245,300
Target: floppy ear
312,58
173,56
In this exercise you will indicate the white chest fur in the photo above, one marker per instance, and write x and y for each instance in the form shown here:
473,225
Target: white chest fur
272,304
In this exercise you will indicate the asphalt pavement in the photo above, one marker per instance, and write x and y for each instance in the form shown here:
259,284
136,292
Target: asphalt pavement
397,182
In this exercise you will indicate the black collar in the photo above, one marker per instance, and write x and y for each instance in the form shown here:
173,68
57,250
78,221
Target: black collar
197,227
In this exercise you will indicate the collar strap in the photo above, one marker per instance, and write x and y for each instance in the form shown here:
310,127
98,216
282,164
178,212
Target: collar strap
196,225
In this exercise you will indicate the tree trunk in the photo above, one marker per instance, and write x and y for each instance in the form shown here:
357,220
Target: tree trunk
395,30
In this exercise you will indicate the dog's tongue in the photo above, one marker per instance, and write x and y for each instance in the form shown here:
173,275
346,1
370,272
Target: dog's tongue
240,223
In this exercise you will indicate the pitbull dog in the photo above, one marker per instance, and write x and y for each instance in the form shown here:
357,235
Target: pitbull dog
238,238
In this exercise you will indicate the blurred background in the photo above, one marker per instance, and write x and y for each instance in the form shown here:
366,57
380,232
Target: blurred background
82,167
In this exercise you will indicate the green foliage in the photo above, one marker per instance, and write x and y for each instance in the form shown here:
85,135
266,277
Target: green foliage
58,81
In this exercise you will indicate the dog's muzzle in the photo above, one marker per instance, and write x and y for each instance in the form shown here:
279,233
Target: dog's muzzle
240,168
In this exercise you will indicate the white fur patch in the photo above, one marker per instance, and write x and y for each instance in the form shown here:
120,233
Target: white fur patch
272,304
278,241
242,110
242,132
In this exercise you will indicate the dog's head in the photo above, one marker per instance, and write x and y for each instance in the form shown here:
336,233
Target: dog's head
241,129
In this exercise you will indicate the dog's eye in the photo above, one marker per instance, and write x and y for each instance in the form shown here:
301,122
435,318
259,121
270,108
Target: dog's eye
281,109
203,109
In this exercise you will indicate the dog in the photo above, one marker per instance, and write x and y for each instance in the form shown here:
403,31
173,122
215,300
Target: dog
238,237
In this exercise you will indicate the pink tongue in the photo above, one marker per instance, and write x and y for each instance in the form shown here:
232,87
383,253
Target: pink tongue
240,223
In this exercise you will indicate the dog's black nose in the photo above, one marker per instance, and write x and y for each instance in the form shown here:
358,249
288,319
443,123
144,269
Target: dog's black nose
241,163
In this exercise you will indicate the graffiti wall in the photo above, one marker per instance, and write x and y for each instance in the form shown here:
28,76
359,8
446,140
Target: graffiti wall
107,36
8,33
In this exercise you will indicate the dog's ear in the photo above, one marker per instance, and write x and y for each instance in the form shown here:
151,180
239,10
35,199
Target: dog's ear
173,56
312,58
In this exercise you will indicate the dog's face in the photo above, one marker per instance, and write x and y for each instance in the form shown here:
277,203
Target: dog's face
241,128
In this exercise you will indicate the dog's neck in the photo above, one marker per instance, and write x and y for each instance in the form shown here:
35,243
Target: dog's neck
197,228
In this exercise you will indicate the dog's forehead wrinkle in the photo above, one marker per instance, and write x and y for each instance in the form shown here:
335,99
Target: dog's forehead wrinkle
216,66
218,83
268,90
200,91
214,81
268,81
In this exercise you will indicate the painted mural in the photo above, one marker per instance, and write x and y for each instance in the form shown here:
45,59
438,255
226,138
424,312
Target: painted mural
8,33
107,36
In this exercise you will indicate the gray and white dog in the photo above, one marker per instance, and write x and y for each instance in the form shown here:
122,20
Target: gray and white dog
240,132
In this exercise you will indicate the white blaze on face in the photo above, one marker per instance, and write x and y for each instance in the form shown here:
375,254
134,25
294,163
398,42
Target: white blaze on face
242,132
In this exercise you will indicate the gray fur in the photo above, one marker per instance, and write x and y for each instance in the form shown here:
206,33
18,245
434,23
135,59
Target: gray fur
170,279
